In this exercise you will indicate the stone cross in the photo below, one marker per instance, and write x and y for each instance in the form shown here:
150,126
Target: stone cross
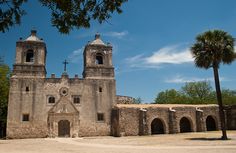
65,63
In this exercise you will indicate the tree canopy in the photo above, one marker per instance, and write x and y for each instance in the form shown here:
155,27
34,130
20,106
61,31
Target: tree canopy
170,96
65,14
212,48
198,92
195,93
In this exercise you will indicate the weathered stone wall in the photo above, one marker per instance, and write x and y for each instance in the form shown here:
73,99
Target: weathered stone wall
189,113
137,119
124,99
35,103
128,121
160,113
26,102
231,117
27,130
212,111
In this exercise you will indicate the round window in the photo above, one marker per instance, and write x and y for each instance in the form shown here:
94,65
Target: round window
64,91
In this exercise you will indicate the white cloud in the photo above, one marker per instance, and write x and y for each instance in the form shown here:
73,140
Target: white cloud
118,35
170,55
135,58
182,79
76,55
166,55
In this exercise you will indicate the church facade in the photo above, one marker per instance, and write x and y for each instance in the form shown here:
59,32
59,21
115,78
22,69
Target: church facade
88,106
41,107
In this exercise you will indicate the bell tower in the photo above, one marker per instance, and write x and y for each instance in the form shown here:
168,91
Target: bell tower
30,57
98,60
26,87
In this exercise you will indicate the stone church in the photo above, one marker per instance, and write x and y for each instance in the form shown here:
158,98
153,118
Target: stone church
88,106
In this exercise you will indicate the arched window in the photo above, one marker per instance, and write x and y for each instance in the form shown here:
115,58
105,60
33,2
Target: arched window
30,56
51,100
99,59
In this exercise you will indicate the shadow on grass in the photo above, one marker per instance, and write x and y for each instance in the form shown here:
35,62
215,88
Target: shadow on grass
207,139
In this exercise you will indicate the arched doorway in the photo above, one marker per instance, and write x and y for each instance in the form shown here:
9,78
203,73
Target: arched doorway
157,126
185,125
210,123
64,128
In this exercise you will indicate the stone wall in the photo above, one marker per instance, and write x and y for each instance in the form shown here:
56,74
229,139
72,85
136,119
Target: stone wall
129,121
138,119
160,113
45,116
231,117
124,99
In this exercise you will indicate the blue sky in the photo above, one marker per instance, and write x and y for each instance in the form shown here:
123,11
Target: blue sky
150,39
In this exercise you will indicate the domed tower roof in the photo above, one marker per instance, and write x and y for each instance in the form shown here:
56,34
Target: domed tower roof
97,40
33,37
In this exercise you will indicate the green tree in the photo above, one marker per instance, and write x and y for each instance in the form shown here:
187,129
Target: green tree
210,49
198,92
65,14
229,96
4,90
171,96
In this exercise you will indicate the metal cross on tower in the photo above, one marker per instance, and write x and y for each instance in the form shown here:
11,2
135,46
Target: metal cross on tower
65,63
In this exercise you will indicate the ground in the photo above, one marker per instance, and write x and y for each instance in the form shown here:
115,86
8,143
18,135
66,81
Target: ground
202,142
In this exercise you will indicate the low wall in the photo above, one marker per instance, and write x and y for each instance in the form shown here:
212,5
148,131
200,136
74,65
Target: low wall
137,119
231,117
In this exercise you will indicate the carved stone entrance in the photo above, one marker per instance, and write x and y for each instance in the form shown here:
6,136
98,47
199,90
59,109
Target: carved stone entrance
63,119
64,128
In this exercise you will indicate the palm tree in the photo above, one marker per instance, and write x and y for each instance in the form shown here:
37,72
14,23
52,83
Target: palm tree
210,49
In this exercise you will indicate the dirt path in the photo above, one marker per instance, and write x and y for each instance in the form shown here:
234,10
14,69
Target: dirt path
179,143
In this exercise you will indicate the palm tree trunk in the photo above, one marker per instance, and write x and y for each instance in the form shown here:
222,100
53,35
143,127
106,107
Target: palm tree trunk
219,99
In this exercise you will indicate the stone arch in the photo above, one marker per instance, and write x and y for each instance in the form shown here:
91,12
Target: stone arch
157,126
29,56
185,125
64,128
99,60
211,124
